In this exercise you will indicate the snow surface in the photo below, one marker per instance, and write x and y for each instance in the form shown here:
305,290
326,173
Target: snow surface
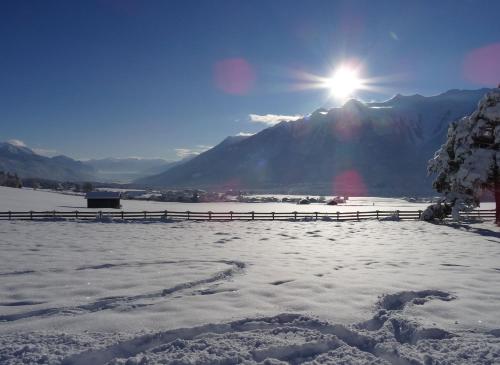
248,292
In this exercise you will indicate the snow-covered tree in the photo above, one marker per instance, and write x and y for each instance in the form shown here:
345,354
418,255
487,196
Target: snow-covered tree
468,163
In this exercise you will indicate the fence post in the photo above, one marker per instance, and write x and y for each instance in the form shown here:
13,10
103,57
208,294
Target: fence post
231,215
357,215
377,215
31,215
273,215
209,216
100,214
397,214
145,215
76,214
188,214
338,216
122,215
316,213
10,215
419,214
295,215
253,215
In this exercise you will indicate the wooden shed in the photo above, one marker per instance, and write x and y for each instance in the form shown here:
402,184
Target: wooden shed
103,199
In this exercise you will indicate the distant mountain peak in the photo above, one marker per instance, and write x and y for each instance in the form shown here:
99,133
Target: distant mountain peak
353,104
62,158
18,158
396,97
16,148
453,92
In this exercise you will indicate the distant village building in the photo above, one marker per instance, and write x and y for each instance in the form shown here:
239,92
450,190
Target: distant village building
103,199
131,194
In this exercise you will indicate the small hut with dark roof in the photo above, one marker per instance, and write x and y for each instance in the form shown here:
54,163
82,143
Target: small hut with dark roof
103,199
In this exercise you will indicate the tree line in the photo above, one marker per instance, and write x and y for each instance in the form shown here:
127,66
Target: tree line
12,180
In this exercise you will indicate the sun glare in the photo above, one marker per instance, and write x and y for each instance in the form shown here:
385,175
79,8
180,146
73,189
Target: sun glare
343,83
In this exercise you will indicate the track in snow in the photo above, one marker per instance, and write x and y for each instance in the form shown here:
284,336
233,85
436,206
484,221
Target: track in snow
298,339
125,302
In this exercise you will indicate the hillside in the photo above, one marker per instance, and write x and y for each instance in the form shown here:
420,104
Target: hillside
23,161
357,149
26,163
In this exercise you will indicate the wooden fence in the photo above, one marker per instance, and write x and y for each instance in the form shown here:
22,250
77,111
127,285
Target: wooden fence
230,216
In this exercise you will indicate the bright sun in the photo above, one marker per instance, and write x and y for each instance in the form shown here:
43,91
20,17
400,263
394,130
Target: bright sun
343,83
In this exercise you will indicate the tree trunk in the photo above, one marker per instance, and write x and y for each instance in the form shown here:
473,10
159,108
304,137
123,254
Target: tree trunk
497,201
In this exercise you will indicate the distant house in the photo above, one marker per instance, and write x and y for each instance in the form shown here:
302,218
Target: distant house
131,194
103,199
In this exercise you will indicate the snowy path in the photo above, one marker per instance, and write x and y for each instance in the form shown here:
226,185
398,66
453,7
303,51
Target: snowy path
111,291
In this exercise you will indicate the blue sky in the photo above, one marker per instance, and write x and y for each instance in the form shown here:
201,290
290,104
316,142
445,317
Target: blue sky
120,78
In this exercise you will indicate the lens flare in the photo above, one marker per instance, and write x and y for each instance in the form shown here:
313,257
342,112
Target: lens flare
482,66
234,76
349,183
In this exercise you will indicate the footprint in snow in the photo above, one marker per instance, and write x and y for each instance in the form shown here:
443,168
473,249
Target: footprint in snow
20,303
280,282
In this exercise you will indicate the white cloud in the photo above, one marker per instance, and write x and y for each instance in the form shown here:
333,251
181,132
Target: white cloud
272,119
17,142
245,134
191,152
185,152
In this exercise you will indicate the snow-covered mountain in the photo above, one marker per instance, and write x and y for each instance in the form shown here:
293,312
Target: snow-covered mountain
357,149
22,160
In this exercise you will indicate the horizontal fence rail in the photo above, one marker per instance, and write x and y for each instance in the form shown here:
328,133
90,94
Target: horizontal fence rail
166,215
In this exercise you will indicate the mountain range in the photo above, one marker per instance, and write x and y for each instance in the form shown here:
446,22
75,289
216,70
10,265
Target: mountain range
19,159
23,161
358,149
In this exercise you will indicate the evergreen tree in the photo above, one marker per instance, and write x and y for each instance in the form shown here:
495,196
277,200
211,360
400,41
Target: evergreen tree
87,187
468,163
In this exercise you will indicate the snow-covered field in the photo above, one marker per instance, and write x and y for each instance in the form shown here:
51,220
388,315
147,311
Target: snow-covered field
245,292
39,200
27,199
